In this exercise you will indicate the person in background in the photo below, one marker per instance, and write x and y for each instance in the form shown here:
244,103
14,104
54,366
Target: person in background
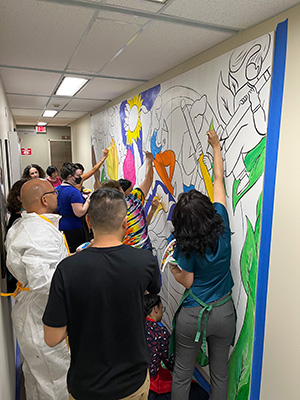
14,207
87,175
137,229
14,203
33,171
161,364
158,337
71,206
34,248
203,252
53,177
97,299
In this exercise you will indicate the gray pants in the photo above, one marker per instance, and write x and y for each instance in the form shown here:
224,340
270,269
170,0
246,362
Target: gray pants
219,335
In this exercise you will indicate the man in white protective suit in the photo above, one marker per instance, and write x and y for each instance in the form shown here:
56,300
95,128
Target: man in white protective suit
34,248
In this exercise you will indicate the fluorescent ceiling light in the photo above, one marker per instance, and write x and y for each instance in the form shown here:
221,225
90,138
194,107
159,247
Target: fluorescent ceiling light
49,113
42,123
70,85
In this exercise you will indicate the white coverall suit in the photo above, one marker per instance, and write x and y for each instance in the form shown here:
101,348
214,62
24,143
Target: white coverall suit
34,248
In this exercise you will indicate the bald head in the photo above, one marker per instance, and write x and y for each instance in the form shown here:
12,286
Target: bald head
36,198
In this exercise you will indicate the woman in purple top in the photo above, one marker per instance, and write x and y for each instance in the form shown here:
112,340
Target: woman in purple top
203,252
71,206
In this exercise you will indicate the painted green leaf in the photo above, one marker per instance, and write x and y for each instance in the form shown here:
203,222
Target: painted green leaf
254,164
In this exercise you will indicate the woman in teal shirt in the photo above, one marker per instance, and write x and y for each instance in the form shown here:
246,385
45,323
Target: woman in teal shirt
203,253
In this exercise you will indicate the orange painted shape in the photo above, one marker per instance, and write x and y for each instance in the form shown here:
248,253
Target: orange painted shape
161,161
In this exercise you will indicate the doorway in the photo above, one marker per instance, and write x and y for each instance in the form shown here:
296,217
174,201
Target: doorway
60,152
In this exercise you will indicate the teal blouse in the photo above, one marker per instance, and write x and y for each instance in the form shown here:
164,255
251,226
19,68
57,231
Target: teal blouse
212,276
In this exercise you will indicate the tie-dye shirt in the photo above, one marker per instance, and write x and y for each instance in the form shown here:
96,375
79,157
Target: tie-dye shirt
136,234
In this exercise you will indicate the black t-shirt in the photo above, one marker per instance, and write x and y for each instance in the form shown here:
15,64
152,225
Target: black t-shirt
98,294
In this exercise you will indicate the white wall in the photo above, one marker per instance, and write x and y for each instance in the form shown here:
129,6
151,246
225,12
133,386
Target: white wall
81,145
7,352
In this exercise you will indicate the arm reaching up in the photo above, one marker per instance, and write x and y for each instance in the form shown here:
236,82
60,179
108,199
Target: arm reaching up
147,182
95,168
219,191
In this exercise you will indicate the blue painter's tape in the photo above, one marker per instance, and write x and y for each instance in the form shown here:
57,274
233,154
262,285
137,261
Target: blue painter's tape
268,204
201,380
18,372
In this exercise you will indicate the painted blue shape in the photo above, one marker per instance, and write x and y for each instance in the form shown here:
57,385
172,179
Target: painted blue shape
149,96
188,188
268,205
154,149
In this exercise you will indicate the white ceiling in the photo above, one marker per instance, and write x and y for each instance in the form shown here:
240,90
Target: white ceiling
117,44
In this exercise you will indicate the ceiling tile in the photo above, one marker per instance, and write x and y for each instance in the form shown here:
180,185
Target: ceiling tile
71,114
28,82
23,113
84,105
107,89
58,102
103,41
136,4
144,59
122,18
19,120
38,34
33,102
239,14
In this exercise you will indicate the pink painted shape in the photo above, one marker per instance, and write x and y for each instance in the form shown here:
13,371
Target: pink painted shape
129,167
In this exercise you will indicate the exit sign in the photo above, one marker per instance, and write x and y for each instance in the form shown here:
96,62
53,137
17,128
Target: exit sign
40,129
26,152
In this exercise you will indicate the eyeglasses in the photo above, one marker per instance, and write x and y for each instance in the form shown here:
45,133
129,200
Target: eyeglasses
52,192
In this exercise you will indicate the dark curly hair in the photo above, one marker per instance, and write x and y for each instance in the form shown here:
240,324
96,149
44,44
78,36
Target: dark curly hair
28,168
197,226
68,168
13,203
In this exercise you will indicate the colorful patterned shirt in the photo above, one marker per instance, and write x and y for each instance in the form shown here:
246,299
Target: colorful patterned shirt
136,234
158,339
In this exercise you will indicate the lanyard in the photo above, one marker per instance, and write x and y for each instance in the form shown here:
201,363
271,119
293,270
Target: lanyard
65,240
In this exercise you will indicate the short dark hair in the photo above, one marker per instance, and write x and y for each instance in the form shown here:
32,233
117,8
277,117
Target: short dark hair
111,184
14,204
50,170
125,184
37,167
107,209
197,226
80,166
68,168
150,301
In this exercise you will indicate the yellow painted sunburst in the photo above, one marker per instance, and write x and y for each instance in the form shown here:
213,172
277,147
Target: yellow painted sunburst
132,123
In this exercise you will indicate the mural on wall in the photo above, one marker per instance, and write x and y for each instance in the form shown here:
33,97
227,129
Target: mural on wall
231,95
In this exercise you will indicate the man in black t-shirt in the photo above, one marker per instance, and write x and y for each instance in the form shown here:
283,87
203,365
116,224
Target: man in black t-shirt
96,298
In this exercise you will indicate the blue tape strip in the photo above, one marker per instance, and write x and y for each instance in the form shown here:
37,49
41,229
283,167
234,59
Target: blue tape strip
201,380
18,372
268,204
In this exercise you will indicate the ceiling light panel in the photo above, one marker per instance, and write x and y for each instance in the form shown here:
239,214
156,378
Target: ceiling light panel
70,86
49,113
